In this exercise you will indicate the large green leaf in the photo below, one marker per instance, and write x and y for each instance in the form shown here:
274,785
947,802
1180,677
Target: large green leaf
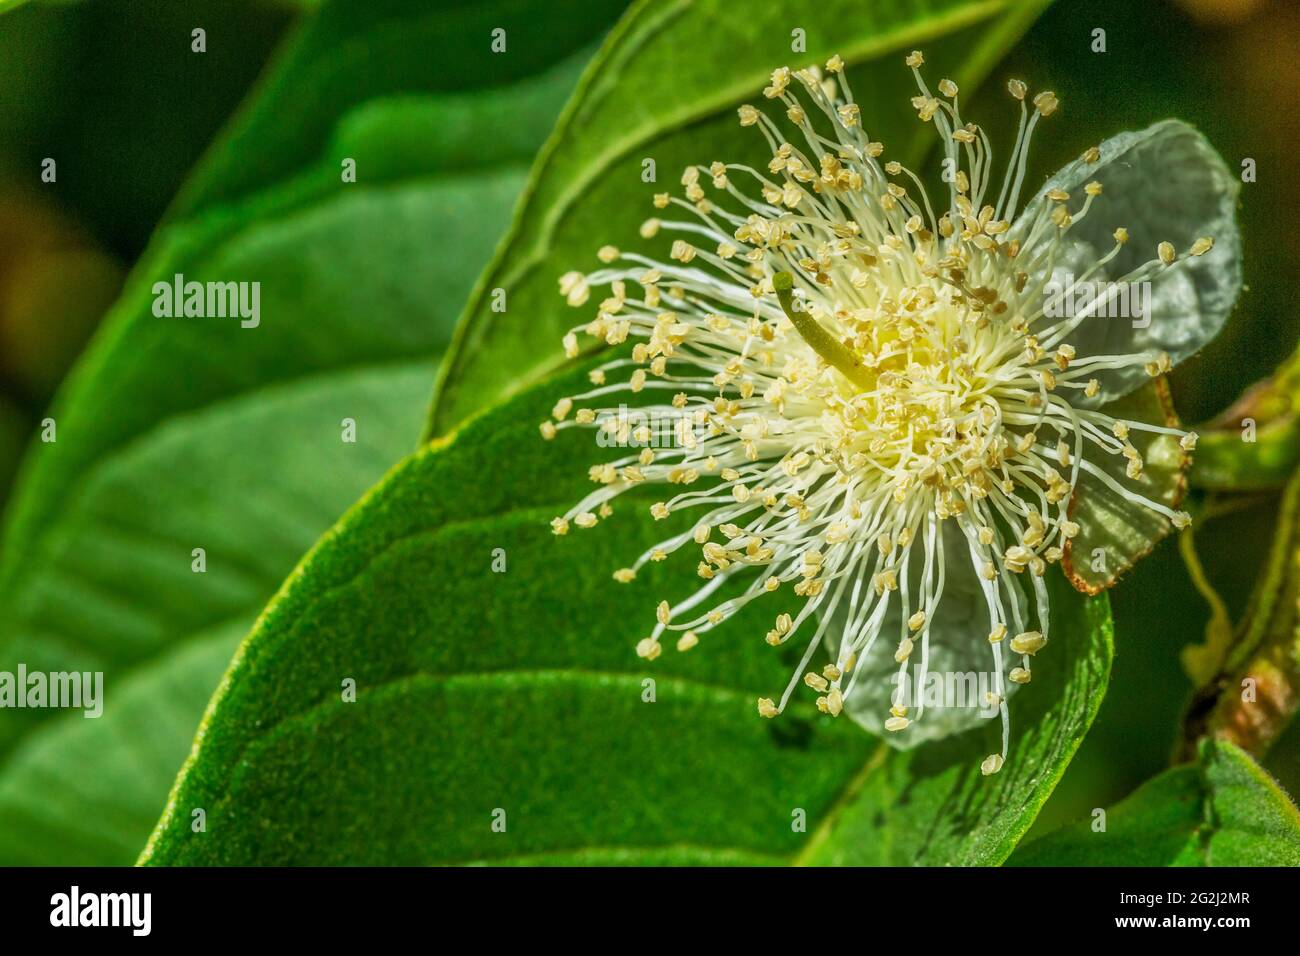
660,90
481,689
176,434
1222,811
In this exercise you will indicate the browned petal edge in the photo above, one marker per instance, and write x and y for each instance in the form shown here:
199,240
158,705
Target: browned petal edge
1166,400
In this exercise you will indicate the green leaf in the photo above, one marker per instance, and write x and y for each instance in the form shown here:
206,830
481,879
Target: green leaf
177,434
1222,811
659,90
1254,444
1126,532
1156,825
931,805
480,691
359,52
1252,821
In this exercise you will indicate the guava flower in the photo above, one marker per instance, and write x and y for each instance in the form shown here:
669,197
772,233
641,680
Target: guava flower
887,411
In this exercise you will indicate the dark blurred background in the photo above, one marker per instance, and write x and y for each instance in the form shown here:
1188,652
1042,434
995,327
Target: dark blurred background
1228,67
110,89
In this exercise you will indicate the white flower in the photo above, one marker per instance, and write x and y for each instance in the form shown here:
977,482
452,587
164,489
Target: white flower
889,412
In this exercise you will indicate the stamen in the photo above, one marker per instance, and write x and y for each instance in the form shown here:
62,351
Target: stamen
914,382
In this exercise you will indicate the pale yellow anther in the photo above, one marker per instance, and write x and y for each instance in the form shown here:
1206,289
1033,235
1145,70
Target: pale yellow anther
834,702
1046,103
1017,88
1166,252
895,724
1016,558
767,707
915,59
1202,245
991,764
997,634
1027,642
1018,675
886,580
663,612
649,648
1159,365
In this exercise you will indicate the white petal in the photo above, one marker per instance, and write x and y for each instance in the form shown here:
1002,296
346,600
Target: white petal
1163,183
960,660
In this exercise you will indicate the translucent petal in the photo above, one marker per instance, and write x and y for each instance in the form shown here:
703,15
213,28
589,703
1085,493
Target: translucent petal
1163,183
959,664
1115,533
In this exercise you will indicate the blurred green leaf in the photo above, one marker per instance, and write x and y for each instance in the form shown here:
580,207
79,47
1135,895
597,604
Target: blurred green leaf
1247,691
176,434
1155,826
658,90
437,51
480,689
1254,444
1222,811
